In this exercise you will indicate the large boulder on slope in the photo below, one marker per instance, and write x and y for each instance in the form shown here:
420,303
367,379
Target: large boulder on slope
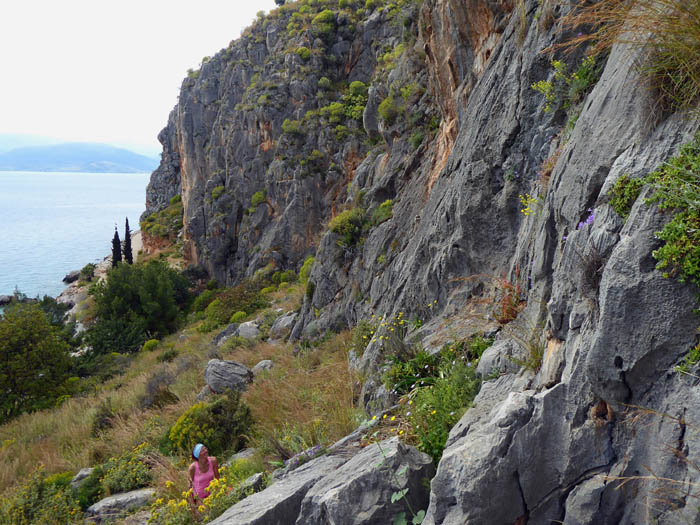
227,375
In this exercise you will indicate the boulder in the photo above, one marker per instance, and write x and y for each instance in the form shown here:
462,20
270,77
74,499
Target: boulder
112,507
225,334
72,277
263,365
80,477
224,375
363,489
282,327
5,299
248,330
279,503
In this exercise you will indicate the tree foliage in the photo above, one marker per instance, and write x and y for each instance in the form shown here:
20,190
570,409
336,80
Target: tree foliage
116,249
35,361
134,303
128,256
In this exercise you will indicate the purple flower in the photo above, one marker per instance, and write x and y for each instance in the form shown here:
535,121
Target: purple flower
588,220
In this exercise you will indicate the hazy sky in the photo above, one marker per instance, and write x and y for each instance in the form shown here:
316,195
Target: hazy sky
106,71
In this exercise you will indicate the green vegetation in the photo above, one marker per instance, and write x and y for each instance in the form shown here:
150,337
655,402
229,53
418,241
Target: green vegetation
238,317
624,193
221,424
438,388
257,198
150,345
166,223
348,225
304,53
217,192
292,127
323,24
567,90
677,189
133,301
389,109
382,213
667,30
245,297
35,361
306,269
126,472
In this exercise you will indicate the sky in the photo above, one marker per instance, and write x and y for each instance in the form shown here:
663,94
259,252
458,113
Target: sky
97,71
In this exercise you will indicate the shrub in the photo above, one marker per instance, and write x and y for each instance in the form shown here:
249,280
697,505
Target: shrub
257,198
126,472
222,425
157,393
324,83
150,345
287,276
306,268
168,355
88,272
323,24
675,186
217,192
389,109
292,127
382,213
90,491
355,100
39,501
238,317
624,193
204,299
304,53
348,225
417,139
244,297
361,336
166,223
334,112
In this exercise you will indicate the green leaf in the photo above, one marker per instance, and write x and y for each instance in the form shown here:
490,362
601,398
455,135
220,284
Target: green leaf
396,496
418,518
402,471
400,519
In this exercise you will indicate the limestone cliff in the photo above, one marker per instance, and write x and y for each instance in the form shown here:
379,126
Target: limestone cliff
263,160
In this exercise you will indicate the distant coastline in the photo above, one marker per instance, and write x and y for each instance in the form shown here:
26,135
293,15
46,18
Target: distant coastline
76,157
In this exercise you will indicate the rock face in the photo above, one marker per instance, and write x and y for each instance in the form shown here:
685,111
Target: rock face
227,375
539,446
333,489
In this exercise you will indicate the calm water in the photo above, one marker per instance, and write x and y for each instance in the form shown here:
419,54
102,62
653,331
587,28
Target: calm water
52,223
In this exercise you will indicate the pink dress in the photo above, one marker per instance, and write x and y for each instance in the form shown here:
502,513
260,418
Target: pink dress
202,479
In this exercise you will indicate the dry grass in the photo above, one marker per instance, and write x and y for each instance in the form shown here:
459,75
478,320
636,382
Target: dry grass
310,396
668,29
304,400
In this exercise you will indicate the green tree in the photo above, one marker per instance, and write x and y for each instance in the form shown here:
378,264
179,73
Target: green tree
116,249
34,361
128,256
136,302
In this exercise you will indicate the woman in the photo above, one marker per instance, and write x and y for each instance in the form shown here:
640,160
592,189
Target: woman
202,471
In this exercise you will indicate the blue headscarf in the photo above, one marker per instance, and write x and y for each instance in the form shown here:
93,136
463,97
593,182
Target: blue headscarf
197,450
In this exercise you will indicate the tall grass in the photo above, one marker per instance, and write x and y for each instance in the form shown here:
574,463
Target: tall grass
669,31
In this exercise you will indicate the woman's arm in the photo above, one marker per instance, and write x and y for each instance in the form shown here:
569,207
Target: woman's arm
215,465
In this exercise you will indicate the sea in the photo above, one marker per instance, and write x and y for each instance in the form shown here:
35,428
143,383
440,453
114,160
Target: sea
53,223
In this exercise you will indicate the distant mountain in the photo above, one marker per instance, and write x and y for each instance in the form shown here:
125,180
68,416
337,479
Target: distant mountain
76,156
10,141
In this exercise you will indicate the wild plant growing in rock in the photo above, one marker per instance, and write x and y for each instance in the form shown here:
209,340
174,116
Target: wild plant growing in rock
668,30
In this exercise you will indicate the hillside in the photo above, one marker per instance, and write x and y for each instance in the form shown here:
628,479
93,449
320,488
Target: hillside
76,157
437,216
454,241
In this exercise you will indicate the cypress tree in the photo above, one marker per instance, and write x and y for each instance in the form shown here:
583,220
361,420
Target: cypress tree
116,248
128,256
